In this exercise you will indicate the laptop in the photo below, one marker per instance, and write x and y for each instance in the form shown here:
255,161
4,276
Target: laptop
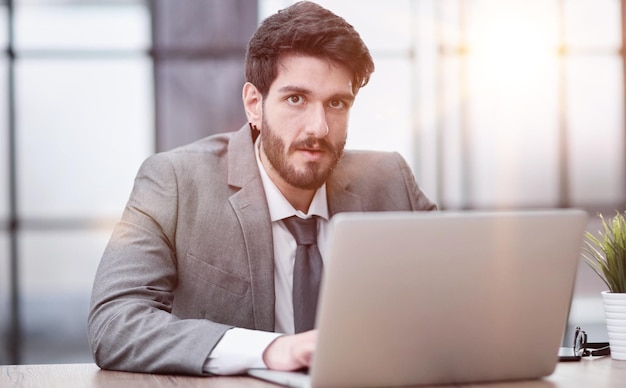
422,298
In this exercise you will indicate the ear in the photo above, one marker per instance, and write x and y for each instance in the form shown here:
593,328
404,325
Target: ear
253,104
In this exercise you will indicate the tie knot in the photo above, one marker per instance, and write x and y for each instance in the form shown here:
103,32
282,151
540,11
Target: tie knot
303,230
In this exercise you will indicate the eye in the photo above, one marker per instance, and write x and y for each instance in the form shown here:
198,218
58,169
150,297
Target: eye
296,99
337,104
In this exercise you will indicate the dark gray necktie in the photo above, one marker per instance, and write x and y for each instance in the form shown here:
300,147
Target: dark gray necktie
307,271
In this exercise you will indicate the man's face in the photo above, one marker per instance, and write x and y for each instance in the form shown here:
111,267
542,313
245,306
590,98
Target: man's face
305,121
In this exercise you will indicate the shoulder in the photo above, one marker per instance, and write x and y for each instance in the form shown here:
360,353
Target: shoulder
355,162
186,166
214,145
383,180
210,149
372,169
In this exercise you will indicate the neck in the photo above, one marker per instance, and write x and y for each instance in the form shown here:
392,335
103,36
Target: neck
300,199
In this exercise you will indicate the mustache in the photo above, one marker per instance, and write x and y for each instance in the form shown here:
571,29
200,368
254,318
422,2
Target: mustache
314,143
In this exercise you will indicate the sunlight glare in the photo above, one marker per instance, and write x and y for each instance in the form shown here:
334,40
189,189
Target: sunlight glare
511,36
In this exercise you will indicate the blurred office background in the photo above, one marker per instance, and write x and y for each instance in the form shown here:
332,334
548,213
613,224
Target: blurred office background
495,104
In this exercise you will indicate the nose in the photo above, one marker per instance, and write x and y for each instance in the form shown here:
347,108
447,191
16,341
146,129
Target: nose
316,122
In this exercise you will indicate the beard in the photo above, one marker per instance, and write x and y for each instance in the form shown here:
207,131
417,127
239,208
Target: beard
314,174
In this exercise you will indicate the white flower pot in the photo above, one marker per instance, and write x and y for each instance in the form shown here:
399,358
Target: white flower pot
615,312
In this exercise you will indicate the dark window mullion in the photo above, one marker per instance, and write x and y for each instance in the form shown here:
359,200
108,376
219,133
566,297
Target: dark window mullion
14,339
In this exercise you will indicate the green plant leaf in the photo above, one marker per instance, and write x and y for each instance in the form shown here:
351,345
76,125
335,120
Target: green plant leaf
606,252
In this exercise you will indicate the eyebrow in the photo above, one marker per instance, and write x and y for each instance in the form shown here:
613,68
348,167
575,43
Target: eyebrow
294,89
300,90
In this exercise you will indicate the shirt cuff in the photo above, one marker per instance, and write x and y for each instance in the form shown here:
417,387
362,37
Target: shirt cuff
239,350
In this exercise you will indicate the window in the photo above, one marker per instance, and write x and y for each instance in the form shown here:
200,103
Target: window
82,102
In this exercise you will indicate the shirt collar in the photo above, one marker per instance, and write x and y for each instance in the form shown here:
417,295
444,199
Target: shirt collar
278,205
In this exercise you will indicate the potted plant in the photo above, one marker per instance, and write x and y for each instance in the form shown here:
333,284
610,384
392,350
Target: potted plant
606,255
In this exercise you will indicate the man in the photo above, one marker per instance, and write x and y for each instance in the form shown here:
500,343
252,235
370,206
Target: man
197,276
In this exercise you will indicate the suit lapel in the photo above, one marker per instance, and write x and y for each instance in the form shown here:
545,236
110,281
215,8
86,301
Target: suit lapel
250,206
340,199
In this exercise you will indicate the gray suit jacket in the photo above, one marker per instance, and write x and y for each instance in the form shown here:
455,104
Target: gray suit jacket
192,255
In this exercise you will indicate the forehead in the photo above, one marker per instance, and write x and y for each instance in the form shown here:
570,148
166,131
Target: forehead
312,73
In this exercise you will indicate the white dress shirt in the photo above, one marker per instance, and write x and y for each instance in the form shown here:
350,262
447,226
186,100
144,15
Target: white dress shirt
241,349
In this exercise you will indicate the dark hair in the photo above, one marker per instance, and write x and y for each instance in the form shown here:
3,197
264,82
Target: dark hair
306,28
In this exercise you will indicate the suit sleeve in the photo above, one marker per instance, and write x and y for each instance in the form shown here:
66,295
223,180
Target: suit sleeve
131,326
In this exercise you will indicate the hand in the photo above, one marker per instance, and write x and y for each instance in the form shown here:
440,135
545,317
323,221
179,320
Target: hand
291,352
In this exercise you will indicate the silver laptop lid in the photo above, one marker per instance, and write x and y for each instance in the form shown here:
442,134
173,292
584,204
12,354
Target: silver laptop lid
443,297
